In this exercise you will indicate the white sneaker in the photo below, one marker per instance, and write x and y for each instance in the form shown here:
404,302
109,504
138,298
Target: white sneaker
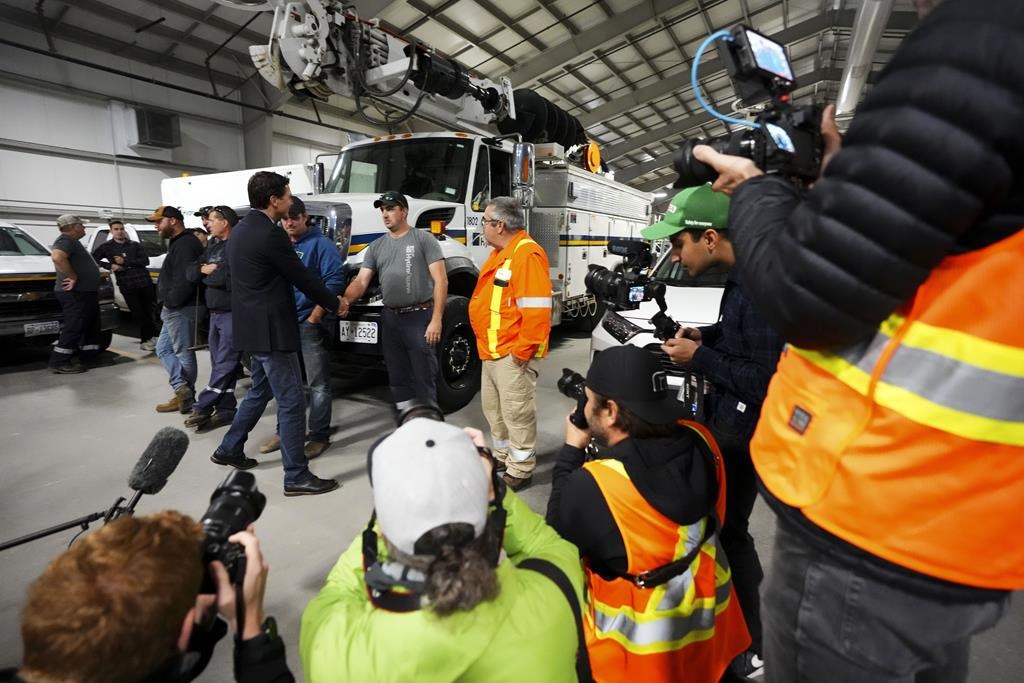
149,344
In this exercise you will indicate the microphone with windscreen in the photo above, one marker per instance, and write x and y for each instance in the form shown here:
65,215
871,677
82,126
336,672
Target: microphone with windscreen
149,476
155,465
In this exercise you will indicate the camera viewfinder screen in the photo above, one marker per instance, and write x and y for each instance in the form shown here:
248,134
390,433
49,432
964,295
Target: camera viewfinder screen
770,56
636,294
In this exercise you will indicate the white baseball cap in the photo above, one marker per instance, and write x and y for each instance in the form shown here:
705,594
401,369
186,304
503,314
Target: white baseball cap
427,474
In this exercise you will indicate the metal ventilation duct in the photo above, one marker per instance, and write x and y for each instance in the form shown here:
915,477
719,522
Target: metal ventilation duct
872,17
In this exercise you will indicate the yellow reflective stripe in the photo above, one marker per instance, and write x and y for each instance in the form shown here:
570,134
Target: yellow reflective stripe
840,368
492,330
966,348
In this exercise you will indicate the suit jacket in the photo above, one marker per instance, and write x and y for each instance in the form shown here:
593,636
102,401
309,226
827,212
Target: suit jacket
264,267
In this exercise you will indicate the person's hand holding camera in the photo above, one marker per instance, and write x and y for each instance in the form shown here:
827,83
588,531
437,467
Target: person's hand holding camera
486,462
691,333
733,171
680,350
574,436
253,586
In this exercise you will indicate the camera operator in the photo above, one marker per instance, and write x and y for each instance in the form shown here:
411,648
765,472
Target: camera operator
121,606
428,599
645,518
737,355
895,418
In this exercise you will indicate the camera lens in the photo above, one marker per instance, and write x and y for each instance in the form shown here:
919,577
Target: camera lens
571,383
235,504
602,283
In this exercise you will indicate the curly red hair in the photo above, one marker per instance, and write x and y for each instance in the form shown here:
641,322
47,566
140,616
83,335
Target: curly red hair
111,608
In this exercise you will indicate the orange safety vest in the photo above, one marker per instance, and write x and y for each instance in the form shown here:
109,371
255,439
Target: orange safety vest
911,445
516,316
687,629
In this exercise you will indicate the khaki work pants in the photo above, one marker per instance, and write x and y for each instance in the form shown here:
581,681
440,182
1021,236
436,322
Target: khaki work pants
508,394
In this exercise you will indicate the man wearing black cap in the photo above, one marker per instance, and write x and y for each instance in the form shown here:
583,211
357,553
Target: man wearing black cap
645,516
178,314
414,286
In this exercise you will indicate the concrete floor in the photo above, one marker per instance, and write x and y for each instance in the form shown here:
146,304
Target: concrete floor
69,443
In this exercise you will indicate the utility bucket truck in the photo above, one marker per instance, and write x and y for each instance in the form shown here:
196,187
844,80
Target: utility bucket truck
317,49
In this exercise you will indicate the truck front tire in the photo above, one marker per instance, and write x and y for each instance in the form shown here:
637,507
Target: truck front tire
458,366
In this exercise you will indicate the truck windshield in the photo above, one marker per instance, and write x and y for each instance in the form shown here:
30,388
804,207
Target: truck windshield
675,275
432,168
16,242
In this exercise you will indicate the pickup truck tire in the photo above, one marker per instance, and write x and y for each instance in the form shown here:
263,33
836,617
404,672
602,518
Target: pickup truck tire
458,366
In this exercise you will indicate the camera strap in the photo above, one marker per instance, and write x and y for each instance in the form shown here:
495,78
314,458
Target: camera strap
667,572
239,580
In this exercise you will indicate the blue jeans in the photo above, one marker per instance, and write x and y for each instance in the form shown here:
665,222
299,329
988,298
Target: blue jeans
172,348
316,361
274,375
828,620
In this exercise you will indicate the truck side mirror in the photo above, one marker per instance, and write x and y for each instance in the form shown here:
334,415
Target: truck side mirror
522,174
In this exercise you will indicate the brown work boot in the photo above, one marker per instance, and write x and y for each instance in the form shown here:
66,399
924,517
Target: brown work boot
186,397
271,444
315,449
515,483
172,406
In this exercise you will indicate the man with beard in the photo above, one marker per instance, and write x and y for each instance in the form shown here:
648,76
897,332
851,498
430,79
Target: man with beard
178,296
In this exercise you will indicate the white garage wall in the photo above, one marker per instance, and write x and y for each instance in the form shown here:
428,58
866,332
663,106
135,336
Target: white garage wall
59,150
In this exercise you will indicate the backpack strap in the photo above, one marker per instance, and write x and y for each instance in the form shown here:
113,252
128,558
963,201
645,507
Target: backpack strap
558,577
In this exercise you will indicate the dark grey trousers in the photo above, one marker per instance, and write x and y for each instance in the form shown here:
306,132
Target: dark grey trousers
826,621
411,363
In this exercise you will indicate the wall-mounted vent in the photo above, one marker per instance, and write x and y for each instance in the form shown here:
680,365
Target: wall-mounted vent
157,129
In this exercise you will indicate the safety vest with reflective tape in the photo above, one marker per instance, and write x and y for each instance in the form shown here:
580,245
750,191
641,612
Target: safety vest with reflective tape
911,445
687,629
515,318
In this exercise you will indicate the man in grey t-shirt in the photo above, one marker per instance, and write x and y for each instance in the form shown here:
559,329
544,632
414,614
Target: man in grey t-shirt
77,287
414,287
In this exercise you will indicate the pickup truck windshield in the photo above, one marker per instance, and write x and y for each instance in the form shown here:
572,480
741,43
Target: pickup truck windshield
16,242
433,168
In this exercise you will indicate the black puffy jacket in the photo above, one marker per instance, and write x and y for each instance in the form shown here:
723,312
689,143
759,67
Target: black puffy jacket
933,164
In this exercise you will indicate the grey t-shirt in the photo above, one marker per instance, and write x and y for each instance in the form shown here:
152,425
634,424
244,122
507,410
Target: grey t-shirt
85,268
402,266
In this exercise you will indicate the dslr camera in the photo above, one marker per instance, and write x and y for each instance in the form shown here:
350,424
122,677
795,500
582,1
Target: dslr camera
234,505
785,140
633,286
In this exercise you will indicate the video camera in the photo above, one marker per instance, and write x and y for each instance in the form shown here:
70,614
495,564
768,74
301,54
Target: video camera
234,505
628,289
571,385
785,140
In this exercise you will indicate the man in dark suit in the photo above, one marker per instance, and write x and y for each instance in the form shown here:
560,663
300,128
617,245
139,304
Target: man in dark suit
264,268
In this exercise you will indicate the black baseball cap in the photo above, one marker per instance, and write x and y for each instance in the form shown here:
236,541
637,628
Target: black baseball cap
633,378
203,211
393,198
297,208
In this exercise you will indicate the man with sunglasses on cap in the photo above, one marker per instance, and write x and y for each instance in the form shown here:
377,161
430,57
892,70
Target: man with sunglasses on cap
421,594
216,404
414,288
646,516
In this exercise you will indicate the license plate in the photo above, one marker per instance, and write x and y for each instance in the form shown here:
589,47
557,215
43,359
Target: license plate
37,329
358,332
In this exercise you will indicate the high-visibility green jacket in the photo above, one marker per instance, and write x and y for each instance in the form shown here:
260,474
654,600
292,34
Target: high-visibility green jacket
527,633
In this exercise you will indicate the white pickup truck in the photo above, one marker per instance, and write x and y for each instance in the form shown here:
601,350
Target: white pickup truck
29,310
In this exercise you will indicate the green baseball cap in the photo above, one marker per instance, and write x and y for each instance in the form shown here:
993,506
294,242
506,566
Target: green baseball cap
695,208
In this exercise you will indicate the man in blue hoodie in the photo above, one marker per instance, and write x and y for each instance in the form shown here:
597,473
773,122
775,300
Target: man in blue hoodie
319,254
